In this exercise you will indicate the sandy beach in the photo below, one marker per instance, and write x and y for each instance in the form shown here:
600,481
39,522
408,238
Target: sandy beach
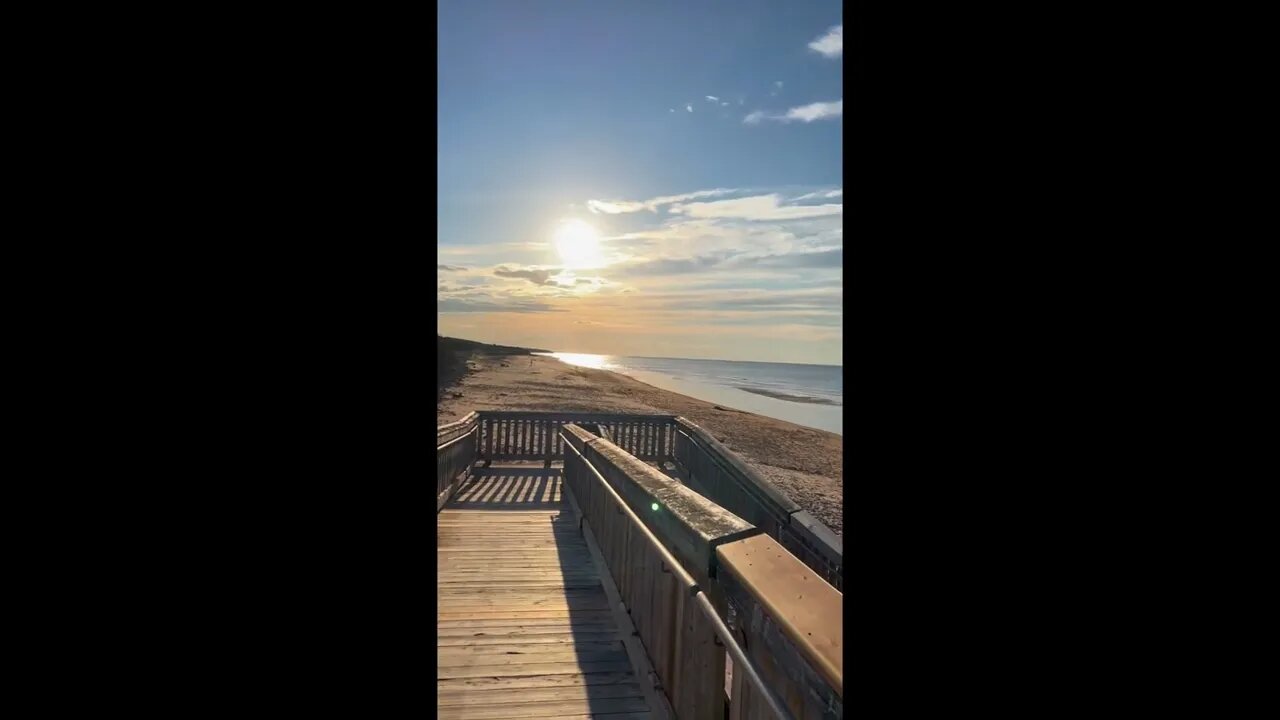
803,462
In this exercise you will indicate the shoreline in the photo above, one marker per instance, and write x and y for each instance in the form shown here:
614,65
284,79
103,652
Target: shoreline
803,399
805,463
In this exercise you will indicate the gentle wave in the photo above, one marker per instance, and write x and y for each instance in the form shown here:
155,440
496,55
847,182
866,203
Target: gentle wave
788,397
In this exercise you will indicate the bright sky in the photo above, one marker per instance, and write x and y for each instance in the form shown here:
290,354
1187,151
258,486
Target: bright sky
642,178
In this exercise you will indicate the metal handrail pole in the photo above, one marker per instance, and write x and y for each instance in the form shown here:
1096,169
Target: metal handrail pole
740,657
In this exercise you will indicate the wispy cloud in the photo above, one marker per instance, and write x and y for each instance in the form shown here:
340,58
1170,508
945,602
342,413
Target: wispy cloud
450,268
777,85
689,108
833,257
726,259
537,276
816,111
760,207
616,207
830,45
804,113
712,99
463,305
819,195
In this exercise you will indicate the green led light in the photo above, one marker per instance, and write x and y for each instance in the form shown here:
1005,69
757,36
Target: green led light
654,506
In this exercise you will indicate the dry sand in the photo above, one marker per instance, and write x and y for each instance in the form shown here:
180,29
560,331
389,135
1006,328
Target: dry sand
803,462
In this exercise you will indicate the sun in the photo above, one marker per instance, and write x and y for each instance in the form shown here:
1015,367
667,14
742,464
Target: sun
578,244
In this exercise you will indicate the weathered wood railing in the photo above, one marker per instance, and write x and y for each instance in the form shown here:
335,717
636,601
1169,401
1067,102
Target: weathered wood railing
679,561
791,625
654,586
536,435
710,468
456,445
719,474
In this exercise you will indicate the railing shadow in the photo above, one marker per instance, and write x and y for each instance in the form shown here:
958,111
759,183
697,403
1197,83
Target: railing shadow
507,488
557,651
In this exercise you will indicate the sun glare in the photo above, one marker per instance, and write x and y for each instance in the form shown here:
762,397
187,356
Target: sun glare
578,244
599,362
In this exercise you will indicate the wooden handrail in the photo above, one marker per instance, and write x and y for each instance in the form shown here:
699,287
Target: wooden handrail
571,416
788,615
723,476
805,607
700,597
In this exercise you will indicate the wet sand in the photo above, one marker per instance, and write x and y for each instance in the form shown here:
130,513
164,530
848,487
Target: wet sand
805,463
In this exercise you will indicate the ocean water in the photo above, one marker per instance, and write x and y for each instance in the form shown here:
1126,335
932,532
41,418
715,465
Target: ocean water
809,395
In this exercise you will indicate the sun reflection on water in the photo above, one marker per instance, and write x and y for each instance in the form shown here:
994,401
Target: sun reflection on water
597,362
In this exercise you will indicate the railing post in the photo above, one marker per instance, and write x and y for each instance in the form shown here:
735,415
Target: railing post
546,443
488,442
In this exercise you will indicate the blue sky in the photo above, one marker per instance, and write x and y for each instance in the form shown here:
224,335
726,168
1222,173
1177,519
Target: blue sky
711,233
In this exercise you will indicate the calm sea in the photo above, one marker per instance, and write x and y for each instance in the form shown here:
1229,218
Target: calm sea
809,395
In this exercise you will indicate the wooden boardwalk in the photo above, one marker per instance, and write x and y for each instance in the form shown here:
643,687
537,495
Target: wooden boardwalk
524,627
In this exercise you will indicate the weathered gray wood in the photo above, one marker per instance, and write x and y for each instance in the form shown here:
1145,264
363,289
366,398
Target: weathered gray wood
446,686
473,696
514,435
722,476
514,706
682,648
640,663
453,463
572,416
520,606
448,431
541,596
751,480
688,523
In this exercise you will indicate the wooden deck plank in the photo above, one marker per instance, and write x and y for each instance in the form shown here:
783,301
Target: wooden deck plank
547,708
548,614
447,685
524,628
508,648
448,657
530,669
449,602
519,571
572,585
488,696
535,639
549,624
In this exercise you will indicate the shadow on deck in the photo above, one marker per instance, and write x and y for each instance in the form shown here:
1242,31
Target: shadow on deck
524,629
510,488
